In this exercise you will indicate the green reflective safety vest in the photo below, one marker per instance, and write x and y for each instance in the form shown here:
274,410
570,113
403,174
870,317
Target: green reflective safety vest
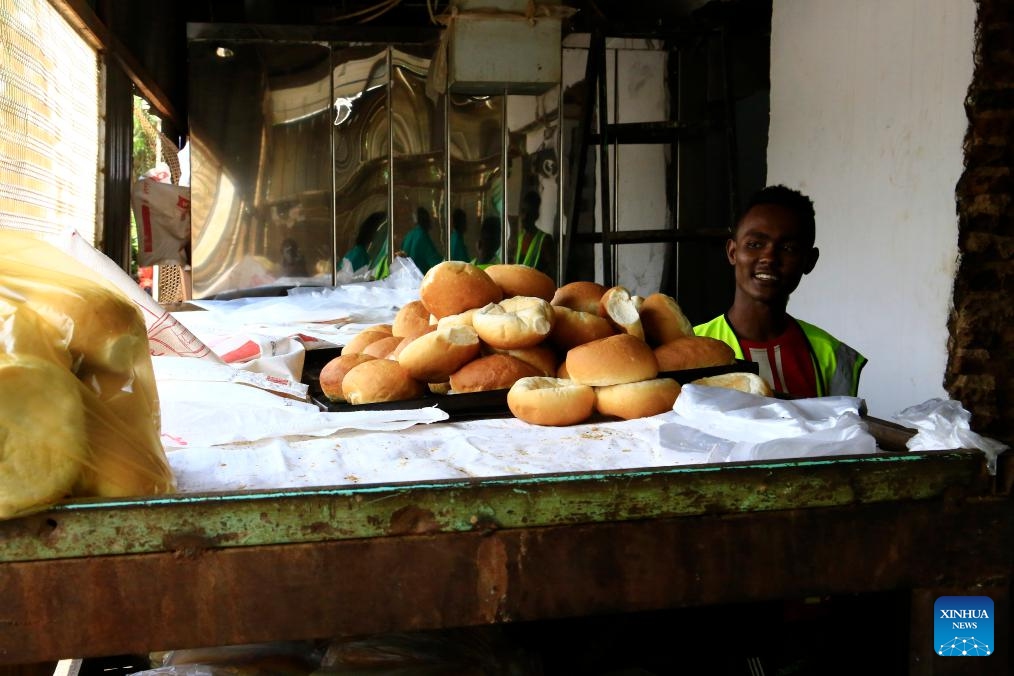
534,250
836,365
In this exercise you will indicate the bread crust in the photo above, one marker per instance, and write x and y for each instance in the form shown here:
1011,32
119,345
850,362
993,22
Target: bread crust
637,400
380,380
575,327
693,352
520,280
492,372
550,401
663,320
412,317
611,361
434,356
582,296
751,383
451,287
334,371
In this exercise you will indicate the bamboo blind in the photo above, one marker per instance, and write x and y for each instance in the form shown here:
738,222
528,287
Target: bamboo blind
49,122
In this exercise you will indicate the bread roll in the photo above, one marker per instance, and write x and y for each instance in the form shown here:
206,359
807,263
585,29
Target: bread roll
751,383
540,356
383,328
621,309
396,352
521,280
382,349
663,320
455,286
440,388
550,401
693,352
492,372
611,361
574,327
521,321
434,356
581,296
410,318
637,400
380,380
334,371
361,340
43,441
460,319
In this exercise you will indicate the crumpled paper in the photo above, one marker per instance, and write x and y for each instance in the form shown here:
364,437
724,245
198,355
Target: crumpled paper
717,424
944,424
210,404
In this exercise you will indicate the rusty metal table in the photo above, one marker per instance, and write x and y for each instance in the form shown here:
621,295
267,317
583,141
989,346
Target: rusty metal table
107,577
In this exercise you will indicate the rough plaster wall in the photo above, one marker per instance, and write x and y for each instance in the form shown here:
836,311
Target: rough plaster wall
867,118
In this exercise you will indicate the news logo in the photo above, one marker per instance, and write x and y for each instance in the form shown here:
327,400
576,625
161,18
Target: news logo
963,626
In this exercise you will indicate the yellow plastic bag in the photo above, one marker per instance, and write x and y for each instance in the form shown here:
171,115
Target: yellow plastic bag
79,412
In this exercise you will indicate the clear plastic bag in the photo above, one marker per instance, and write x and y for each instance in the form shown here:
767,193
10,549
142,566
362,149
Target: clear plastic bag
944,424
78,402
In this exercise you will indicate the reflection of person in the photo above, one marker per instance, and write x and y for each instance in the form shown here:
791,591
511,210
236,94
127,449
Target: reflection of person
487,249
417,243
771,249
459,223
293,260
535,247
358,256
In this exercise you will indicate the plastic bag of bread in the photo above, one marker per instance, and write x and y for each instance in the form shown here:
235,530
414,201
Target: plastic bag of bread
78,403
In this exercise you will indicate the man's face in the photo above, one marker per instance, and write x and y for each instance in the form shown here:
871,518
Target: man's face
770,253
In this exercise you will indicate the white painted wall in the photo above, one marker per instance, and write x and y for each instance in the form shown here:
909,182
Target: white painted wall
867,118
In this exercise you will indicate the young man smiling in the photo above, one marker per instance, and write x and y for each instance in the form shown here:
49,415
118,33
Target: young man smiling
771,248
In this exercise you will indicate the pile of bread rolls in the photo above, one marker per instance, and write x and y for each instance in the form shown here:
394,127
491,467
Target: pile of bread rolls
79,411
563,353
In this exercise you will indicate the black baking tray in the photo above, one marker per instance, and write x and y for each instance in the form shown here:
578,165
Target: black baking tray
493,404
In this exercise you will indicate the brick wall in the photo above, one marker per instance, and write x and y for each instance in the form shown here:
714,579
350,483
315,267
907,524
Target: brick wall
980,371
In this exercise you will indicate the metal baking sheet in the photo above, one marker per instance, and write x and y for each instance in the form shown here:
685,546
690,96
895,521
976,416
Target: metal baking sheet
493,404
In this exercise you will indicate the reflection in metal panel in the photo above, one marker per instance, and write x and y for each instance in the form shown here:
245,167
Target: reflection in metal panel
305,153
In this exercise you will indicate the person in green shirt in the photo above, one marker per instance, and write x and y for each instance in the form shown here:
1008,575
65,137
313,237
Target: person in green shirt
417,243
358,256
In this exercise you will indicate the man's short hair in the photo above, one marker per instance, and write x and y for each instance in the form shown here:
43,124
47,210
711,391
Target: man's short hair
793,200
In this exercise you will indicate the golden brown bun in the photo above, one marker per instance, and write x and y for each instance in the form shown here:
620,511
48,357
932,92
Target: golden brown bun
521,321
611,361
410,318
751,383
574,327
550,401
663,320
44,441
361,340
382,349
383,328
396,352
434,356
693,352
540,356
334,371
492,372
455,286
380,380
637,400
460,319
521,280
581,296
620,308
439,388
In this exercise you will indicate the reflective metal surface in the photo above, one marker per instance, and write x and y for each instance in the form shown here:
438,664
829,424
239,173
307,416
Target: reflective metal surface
260,162
305,154
475,130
